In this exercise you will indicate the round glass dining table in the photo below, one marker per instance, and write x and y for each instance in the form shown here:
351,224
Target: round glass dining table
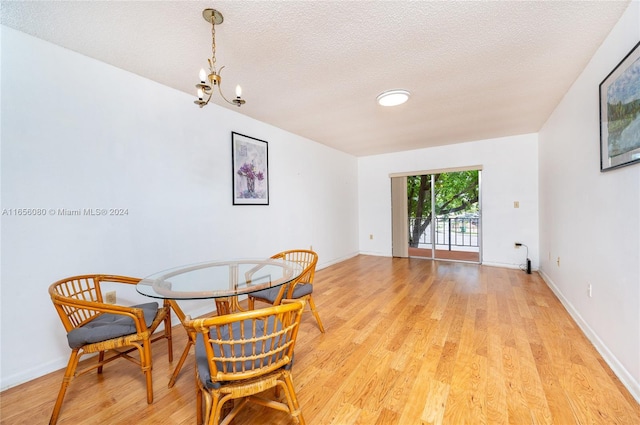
223,281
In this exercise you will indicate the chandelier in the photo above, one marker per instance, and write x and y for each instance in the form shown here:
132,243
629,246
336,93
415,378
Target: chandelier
207,88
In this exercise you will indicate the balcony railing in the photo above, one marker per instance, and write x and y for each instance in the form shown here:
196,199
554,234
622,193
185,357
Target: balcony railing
450,231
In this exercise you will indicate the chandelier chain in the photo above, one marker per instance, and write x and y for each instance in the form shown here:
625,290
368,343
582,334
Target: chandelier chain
213,47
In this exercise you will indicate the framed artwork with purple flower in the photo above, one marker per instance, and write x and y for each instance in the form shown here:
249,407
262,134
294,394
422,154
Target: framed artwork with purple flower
250,164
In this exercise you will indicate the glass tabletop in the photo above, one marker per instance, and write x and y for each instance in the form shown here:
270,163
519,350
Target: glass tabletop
217,279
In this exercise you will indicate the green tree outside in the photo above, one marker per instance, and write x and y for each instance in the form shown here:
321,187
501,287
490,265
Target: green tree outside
456,193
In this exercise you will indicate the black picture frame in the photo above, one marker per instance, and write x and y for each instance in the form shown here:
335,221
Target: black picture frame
620,113
250,170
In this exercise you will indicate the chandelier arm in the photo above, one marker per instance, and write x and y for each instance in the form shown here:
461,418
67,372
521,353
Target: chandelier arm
225,99
209,98
220,88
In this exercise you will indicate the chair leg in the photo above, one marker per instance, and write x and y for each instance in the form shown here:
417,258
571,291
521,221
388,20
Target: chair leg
312,305
68,375
183,358
215,409
100,360
199,396
292,399
146,366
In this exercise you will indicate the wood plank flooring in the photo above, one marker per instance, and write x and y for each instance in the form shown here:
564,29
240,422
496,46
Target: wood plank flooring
408,341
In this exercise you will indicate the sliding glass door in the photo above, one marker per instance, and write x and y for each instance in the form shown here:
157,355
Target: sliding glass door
444,215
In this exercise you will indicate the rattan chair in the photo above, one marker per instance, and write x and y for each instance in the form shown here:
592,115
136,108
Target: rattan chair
96,327
240,355
301,288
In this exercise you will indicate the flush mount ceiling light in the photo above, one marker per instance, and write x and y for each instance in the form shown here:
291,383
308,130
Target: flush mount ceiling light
206,89
393,97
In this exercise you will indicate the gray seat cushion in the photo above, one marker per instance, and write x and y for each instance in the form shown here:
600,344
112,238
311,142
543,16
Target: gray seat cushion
302,289
270,294
108,326
238,349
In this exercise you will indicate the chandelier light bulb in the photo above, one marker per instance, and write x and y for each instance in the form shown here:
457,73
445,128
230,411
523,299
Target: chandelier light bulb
238,91
203,75
200,94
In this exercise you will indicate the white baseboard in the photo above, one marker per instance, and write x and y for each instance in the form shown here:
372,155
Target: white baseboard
323,265
29,374
374,253
621,372
507,266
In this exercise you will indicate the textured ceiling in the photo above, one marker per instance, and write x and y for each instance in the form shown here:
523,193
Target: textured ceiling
476,70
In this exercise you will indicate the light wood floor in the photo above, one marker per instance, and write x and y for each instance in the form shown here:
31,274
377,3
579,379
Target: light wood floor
408,341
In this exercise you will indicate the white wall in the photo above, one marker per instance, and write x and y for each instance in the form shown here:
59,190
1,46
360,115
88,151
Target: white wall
77,133
509,173
591,220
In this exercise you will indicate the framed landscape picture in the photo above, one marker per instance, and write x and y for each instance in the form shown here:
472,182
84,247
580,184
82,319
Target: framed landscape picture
250,165
620,114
